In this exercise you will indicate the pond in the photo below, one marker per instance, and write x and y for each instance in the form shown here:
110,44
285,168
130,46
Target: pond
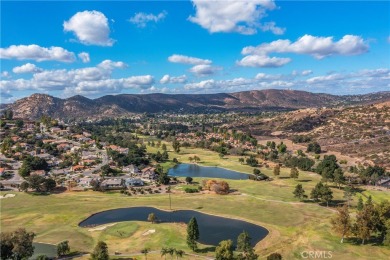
44,249
193,170
212,229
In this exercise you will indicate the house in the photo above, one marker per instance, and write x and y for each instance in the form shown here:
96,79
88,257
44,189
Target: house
45,156
87,162
112,184
38,172
85,155
76,168
85,182
2,171
55,129
132,169
148,173
130,182
59,172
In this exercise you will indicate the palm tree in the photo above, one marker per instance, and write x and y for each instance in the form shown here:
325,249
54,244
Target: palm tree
164,252
171,251
179,253
145,251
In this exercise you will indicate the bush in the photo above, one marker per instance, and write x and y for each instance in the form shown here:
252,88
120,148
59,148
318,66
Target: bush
191,190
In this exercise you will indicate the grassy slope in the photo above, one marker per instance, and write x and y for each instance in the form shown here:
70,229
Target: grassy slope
294,227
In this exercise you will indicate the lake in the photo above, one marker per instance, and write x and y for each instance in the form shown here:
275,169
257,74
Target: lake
212,229
194,170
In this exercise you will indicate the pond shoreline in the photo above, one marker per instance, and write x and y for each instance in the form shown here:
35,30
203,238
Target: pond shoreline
259,232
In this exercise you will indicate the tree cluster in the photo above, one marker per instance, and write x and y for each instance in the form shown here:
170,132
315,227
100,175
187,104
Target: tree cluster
219,187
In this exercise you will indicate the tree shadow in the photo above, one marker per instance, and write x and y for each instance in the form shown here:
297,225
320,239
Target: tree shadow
304,180
282,177
206,249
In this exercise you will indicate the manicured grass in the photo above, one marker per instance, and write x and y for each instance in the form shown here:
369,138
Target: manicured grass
294,227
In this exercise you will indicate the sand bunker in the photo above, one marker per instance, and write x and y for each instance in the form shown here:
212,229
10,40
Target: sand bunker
100,228
7,196
150,231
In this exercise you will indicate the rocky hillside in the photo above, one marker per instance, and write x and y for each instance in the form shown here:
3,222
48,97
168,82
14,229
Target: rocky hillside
111,106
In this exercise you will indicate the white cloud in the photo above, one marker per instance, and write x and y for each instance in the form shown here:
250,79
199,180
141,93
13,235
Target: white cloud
142,19
262,61
234,16
37,53
27,68
338,83
84,56
173,80
5,74
90,27
318,47
204,70
175,58
109,65
85,81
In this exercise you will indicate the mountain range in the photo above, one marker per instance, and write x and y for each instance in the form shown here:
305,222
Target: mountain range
78,106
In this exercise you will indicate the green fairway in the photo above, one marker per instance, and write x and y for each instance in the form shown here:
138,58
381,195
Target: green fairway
294,226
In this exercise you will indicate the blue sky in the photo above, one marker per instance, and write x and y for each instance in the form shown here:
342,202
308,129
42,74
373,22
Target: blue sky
98,48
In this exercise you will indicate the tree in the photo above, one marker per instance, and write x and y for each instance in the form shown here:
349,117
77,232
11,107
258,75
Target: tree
63,248
17,245
244,245
152,218
189,179
360,204
196,159
164,251
241,160
282,148
349,192
49,184
314,147
299,192
36,182
224,250
171,251
6,245
251,161
190,159
326,194
338,177
145,251
275,256
365,221
256,171
277,170
341,223
100,252
164,147
24,186
294,173
192,234
316,192
179,253
176,146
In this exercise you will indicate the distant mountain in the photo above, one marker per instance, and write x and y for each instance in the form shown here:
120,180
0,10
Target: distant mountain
119,105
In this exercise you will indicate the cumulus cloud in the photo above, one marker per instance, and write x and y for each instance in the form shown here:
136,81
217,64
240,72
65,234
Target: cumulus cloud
84,81
142,19
204,70
338,83
262,61
234,16
318,47
5,74
176,58
37,53
27,68
173,80
90,28
84,56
